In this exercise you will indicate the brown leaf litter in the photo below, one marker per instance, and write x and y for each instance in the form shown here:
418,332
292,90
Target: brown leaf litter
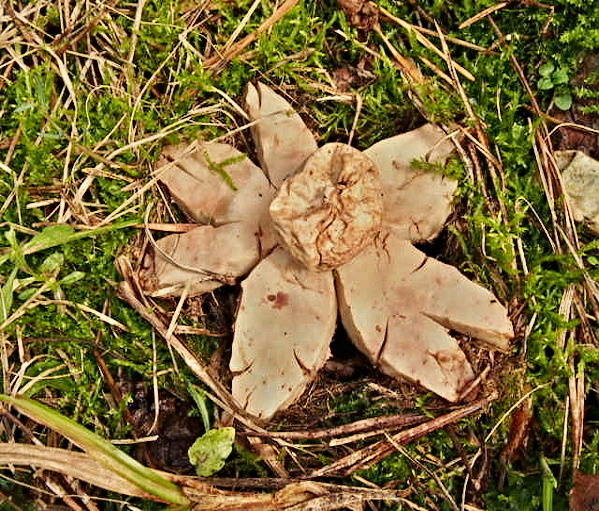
585,493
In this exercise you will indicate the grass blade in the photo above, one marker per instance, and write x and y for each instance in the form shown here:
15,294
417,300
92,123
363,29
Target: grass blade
56,235
549,484
100,450
6,295
74,464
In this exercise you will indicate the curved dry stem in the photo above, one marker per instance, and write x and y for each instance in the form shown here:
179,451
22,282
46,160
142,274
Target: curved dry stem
200,260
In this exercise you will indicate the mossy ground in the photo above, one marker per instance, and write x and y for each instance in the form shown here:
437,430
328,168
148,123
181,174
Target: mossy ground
85,87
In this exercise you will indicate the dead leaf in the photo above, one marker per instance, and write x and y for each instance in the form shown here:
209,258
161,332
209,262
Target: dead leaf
74,464
585,493
344,78
361,13
519,430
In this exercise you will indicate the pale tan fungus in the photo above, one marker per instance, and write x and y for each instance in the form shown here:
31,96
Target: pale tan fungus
284,326
397,305
283,141
330,210
580,176
336,208
417,202
213,183
201,260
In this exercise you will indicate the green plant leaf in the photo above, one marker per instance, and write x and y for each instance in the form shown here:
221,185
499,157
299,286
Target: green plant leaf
51,236
559,77
563,101
56,235
545,84
51,264
6,295
219,168
101,450
27,293
72,277
546,69
15,252
549,484
209,452
199,397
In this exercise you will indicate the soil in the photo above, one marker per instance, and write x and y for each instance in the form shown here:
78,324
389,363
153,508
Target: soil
176,430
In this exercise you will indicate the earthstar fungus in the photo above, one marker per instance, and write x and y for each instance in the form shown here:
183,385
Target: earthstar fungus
317,231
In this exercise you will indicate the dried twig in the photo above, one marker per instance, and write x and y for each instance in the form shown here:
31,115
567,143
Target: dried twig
235,49
367,456
375,423
483,14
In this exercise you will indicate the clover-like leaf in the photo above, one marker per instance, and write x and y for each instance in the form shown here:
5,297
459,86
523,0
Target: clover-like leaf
560,76
563,101
545,83
209,452
546,69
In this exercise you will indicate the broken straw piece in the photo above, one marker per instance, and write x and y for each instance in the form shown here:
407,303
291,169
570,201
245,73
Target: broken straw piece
214,183
283,141
417,203
397,304
201,260
330,210
284,326
580,176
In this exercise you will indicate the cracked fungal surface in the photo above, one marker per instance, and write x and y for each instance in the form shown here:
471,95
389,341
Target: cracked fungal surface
283,141
330,210
217,186
345,222
416,203
397,305
286,320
